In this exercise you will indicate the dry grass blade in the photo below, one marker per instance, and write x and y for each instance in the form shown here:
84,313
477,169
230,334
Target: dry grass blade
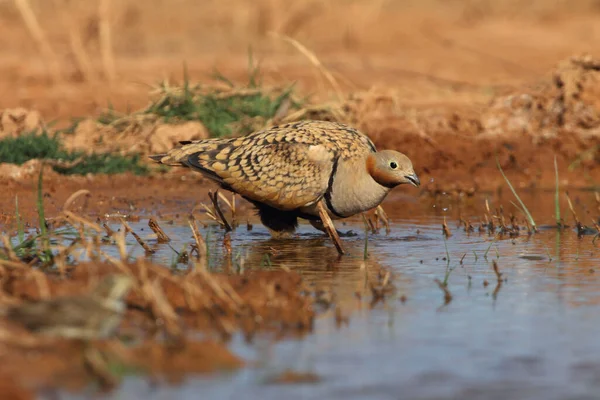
282,111
21,339
218,290
98,366
120,242
77,47
34,28
386,279
13,264
108,59
222,197
63,164
212,214
200,243
445,229
315,61
162,237
161,308
74,197
215,200
233,209
70,217
577,222
8,249
136,236
230,204
41,280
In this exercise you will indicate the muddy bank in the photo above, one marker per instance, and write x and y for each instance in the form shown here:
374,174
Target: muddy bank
176,324
453,148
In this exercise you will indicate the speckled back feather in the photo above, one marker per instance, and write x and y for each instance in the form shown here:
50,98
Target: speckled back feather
286,166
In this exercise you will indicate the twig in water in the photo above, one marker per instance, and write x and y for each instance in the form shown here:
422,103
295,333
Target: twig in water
200,243
136,236
577,222
227,242
445,229
497,271
109,232
444,287
161,236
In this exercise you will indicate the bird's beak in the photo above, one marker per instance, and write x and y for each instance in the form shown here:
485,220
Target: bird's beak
413,179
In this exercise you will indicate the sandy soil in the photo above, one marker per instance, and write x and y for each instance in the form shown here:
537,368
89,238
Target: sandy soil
450,84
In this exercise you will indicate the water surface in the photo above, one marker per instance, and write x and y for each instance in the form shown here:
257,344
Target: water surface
534,337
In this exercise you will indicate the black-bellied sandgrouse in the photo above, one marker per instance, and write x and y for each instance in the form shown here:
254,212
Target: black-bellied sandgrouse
314,170
95,315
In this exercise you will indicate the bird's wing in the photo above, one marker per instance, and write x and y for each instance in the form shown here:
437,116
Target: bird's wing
283,175
286,166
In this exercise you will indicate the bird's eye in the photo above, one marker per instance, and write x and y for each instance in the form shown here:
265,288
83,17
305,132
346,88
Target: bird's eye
393,165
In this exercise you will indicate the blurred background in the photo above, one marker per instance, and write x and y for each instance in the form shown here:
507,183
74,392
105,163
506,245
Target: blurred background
68,58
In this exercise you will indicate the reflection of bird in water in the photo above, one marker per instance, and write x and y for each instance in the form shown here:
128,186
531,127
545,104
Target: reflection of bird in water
96,315
319,268
315,170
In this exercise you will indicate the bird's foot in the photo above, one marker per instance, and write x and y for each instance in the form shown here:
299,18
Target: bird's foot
329,227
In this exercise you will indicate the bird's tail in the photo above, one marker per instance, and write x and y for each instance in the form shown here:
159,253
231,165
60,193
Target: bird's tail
179,155
157,157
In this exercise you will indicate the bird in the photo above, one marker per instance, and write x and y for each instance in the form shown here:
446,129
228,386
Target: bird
310,169
93,316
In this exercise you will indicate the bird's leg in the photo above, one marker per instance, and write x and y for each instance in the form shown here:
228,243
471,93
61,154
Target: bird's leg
318,224
380,212
329,227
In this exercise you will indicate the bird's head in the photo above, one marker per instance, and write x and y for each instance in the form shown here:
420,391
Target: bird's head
391,168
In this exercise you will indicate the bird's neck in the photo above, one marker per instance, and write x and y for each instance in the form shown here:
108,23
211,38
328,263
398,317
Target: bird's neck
354,190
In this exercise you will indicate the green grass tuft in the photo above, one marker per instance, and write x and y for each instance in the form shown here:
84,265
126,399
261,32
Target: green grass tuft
216,112
219,109
524,207
30,146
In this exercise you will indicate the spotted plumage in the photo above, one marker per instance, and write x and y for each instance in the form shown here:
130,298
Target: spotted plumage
286,170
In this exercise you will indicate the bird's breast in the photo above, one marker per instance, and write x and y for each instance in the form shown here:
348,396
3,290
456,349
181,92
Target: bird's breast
353,190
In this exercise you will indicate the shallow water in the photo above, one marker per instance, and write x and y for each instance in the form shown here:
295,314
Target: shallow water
535,336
